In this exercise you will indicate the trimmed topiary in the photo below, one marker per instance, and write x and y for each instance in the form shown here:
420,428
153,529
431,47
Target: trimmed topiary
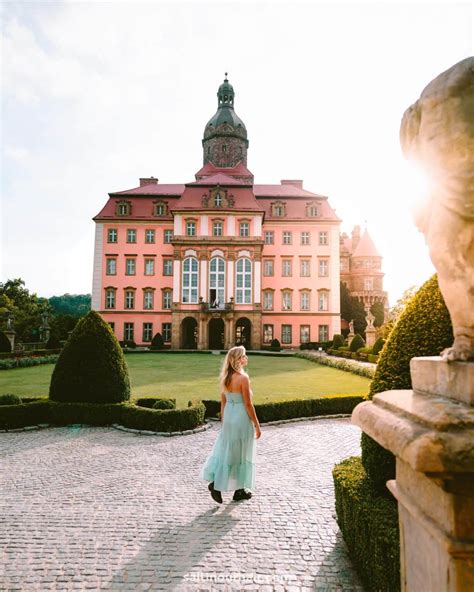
10,399
275,345
91,367
357,343
157,342
5,345
164,404
338,341
378,345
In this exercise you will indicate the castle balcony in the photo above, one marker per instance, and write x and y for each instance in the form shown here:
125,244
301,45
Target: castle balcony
216,306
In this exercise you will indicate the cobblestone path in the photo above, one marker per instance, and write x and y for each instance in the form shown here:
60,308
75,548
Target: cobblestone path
97,509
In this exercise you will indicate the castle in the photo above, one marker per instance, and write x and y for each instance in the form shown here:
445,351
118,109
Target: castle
219,260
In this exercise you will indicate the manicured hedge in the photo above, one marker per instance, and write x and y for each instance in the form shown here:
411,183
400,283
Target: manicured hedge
149,402
369,524
10,399
91,367
346,365
338,341
163,420
279,410
127,414
27,361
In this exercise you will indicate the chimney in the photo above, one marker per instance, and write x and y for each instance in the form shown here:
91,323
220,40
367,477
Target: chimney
295,182
148,181
355,237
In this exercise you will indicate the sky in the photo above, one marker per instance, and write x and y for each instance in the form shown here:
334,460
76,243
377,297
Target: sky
98,94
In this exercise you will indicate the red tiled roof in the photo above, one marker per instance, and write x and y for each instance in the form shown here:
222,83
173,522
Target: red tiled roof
366,247
153,189
219,179
191,199
296,209
284,191
210,169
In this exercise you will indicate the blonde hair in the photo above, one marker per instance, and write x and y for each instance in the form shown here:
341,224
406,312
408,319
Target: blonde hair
232,365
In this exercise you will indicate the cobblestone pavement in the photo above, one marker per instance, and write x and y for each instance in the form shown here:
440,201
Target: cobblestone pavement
97,509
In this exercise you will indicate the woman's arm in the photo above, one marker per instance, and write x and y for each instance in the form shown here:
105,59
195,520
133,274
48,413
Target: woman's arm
246,395
223,402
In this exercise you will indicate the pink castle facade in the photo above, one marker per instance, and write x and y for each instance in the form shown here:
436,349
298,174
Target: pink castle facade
218,261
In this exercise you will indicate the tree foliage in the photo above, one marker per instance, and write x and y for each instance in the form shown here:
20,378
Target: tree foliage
74,305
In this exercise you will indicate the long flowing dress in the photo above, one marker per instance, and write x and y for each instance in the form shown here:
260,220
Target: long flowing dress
231,464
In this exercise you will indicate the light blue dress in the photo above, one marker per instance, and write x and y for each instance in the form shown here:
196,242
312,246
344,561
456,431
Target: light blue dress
231,464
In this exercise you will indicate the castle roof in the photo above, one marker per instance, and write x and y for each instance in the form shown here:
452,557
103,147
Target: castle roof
366,247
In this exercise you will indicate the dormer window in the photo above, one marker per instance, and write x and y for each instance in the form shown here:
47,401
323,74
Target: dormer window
278,209
124,208
313,210
160,208
218,200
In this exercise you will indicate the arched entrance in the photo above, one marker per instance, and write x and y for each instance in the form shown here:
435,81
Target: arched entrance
216,334
243,332
189,333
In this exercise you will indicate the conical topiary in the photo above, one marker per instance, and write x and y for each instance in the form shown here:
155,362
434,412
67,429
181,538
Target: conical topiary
338,341
357,343
91,367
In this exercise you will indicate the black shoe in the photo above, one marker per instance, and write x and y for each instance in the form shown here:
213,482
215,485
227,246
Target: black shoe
241,494
216,495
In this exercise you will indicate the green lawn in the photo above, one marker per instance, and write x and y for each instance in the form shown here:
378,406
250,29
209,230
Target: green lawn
189,376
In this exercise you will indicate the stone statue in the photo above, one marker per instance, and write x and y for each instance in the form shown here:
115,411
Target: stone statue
351,327
10,319
437,132
44,319
370,319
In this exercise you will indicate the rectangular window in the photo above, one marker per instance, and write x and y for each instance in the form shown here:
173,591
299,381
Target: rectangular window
167,236
130,266
368,284
217,229
287,237
268,300
129,299
323,332
286,266
304,302
305,269
110,299
323,301
167,266
111,267
147,331
304,334
166,331
323,238
269,238
149,236
167,294
305,238
268,267
131,235
148,299
244,229
191,228
128,331
123,209
267,334
149,267
286,334
112,235
286,300
323,267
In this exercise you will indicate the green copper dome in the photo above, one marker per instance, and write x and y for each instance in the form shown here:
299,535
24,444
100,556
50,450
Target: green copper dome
225,112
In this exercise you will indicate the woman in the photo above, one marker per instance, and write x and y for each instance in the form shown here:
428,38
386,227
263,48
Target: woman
231,464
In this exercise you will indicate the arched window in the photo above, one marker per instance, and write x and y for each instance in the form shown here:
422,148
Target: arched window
190,280
217,283
243,291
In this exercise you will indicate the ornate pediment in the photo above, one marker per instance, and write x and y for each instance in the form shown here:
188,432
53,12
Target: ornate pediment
218,198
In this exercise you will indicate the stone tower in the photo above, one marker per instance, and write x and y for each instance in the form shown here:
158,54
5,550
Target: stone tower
225,136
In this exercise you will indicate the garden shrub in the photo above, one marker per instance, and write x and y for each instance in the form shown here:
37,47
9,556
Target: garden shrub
28,414
149,402
275,345
157,342
356,343
338,341
5,345
364,350
344,348
372,358
369,524
128,344
163,420
26,362
378,345
164,404
53,343
10,399
91,367
97,414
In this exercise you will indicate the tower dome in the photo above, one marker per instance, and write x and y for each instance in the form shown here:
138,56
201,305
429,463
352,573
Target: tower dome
225,135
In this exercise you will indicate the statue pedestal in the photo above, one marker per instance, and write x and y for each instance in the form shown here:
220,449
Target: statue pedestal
370,337
11,338
430,430
350,337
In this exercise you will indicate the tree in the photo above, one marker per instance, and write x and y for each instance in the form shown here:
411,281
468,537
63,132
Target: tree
358,315
377,310
75,305
346,305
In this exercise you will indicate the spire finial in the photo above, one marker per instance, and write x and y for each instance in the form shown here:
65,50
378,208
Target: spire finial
226,77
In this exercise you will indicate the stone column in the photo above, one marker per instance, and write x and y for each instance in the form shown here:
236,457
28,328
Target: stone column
11,338
430,429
